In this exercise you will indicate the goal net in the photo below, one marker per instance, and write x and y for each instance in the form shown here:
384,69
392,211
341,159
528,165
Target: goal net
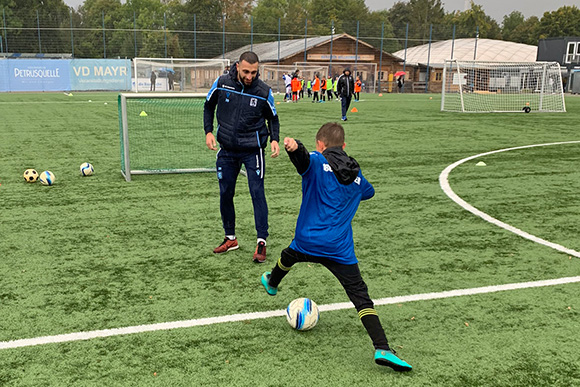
477,87
163,133
176,75
272,74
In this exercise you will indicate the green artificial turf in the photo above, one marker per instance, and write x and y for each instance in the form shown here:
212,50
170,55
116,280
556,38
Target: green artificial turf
97,252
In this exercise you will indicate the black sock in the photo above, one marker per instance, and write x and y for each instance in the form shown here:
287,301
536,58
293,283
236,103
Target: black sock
372,324
278,272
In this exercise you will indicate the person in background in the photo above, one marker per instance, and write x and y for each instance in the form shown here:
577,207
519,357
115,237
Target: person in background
323,89
287,87
170,79
357,89
153,80
329,88
401,83
295,88
316,88
345,89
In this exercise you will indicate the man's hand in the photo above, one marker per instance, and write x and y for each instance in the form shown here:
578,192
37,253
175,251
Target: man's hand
275,149
290,144
210,141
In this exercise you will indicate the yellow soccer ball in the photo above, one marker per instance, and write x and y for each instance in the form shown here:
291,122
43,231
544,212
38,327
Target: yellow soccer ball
30,175
46,178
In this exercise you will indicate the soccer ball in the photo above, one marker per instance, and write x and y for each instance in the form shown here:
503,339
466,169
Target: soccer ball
302,314
46,178
87,169
30,175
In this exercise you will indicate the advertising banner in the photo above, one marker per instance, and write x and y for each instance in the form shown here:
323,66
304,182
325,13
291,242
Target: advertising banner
38,75
100,74
3,75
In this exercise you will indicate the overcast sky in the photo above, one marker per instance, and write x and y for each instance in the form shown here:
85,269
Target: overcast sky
494,8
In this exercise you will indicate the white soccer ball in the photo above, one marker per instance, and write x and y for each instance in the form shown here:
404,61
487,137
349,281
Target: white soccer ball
302,314
87,169
46,178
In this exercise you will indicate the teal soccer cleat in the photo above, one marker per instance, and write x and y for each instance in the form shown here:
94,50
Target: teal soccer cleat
388,358
269,289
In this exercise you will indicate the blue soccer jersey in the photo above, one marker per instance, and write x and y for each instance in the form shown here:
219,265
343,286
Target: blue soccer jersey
324,224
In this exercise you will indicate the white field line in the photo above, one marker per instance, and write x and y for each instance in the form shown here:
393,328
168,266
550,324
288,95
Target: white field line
273,313
55,102
443,181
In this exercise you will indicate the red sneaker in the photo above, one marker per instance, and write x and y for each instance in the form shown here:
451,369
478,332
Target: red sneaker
226,246
260,254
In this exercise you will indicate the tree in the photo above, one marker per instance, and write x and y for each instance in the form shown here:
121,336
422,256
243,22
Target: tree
21,22
510,23
266,15
527,32
468,22
344,14
565,21
96,14
420,15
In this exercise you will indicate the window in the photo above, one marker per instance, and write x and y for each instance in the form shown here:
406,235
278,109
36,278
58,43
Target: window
438,76
572,46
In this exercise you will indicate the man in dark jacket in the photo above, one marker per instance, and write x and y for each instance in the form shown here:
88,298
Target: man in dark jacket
244,105
345,89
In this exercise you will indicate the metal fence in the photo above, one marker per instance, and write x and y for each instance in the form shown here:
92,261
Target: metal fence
189,37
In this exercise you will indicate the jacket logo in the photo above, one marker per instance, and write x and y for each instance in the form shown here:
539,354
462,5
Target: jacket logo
253,102
326,168
357,180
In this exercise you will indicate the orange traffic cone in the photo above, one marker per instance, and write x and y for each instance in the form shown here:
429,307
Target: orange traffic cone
354,110
380,94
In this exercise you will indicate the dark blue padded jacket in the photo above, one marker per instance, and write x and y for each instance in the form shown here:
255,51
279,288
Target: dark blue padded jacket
242,112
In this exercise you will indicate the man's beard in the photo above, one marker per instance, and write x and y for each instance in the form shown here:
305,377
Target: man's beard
243,81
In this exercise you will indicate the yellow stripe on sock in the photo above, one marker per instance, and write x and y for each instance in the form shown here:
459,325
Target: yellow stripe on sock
282,266
367,312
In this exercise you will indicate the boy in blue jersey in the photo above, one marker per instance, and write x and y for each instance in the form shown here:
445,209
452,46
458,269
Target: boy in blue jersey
332,189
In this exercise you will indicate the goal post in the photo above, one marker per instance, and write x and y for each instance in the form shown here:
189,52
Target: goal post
480,87
176,75
163,133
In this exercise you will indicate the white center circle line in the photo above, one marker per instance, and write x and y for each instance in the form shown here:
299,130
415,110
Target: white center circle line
444,183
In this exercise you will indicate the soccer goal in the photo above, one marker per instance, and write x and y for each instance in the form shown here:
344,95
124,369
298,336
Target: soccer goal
163,133
478,87
176,75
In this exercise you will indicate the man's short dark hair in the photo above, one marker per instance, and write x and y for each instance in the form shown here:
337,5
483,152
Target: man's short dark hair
331,134
249,57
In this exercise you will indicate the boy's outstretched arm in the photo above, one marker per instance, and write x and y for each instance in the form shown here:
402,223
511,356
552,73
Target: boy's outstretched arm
298,154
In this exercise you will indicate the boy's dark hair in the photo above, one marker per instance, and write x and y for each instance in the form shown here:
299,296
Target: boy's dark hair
249,57
331,134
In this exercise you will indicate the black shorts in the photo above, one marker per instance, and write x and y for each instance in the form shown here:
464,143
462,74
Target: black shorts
348,275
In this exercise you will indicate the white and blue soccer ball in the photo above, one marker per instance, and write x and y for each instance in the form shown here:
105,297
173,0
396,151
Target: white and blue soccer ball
87,169
46,178
302,314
